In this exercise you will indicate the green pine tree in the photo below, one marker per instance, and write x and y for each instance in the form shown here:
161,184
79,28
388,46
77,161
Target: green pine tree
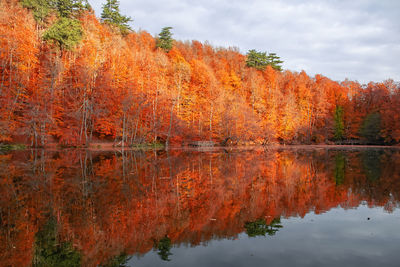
255,59
71,8
260,60
40,8
164,40
371,128
275,61
66,33
65,8
112,16
339,124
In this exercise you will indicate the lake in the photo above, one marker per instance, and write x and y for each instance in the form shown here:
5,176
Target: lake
212,207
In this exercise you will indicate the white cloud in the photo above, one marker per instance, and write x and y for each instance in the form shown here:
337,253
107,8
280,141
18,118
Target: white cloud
359,39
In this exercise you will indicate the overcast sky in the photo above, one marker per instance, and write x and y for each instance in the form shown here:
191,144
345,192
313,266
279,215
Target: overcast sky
354,39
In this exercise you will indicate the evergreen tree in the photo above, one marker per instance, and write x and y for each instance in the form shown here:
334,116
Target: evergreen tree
71,8
258,60
371,128
274,61
40,8
65,8
112,16
164,40
66,32
339,124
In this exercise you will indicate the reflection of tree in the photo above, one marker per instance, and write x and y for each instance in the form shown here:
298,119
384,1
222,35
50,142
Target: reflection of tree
340,161
371,164
260,227
164,247
192,197
49,252
118,261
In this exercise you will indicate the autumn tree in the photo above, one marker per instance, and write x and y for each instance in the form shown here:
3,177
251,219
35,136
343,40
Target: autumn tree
181,75
19,51
390,114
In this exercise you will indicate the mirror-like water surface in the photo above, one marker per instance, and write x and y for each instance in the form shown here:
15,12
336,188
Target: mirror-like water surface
279,207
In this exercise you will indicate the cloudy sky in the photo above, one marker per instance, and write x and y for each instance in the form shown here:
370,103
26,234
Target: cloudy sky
354,39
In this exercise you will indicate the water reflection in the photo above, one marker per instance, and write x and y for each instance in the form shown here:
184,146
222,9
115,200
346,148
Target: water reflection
49,251
117,261
260,227
164,248
72,208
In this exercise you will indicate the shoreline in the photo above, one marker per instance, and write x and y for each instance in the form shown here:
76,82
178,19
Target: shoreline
148,147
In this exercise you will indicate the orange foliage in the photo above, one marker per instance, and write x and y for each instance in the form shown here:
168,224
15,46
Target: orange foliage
122,89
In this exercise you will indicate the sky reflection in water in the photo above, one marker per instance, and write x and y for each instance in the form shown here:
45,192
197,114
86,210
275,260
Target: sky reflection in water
336,238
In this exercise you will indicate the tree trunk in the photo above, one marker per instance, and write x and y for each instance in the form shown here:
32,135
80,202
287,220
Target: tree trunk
211,117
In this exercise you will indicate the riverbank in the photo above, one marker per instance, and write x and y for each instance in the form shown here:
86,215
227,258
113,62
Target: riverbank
158,146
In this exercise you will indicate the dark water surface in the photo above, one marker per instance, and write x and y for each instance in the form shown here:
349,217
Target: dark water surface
260,207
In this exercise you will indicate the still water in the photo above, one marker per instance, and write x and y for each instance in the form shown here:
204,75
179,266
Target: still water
258,207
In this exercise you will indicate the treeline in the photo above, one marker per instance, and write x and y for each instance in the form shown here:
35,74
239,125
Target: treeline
75,207
68,78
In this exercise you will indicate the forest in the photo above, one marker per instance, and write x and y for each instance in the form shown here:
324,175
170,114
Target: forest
69,78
